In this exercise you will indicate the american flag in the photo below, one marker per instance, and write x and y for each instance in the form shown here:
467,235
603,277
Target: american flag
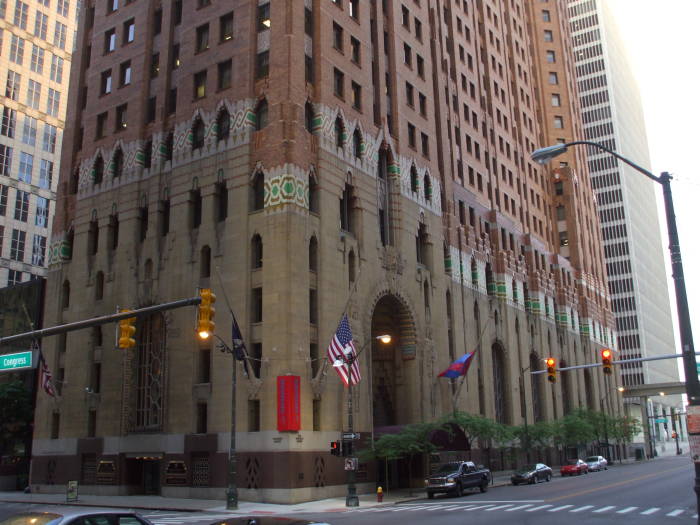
342,348
45,377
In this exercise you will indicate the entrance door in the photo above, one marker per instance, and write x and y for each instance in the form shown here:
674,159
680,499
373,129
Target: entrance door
151,476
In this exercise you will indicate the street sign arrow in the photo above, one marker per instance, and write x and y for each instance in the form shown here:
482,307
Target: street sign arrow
350,435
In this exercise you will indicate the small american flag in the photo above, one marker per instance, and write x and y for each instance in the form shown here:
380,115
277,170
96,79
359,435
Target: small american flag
45,377
342,348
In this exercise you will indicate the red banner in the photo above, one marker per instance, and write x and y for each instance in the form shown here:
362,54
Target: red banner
288,403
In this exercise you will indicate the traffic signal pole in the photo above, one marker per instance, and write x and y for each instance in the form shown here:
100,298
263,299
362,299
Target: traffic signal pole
96,321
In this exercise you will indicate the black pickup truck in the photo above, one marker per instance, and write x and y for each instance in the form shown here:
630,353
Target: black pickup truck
456,476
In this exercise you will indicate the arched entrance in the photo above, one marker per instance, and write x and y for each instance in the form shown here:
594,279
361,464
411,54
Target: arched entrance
395,390
392,390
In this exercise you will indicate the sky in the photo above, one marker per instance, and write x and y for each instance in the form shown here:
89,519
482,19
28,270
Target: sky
663,43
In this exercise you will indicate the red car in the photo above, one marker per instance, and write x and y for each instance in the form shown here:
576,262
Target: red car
574,466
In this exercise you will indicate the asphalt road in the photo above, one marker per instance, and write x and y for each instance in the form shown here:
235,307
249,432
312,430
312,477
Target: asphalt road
656,492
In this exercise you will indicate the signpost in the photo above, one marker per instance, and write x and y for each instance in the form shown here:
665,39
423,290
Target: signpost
18,361
350,435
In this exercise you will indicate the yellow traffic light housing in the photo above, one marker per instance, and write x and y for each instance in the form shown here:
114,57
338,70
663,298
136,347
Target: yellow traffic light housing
551,369
126,332
606,356
205,317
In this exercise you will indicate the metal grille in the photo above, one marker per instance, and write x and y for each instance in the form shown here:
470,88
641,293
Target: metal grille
200,471
88,469
150,375
319,472
252,470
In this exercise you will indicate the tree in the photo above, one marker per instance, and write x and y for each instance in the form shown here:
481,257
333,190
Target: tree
15,415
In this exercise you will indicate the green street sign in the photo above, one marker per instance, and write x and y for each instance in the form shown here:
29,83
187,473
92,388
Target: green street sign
17,361
661,420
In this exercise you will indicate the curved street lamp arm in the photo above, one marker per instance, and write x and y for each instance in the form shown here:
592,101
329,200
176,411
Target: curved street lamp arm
617,156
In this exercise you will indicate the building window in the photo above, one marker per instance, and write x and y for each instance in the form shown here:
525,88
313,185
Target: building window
106,82
17,50
195,209
356,96
157,21
256,251
223,125
110,40
346,205
221,201
26,166
175,56
339,132
548,37
100,126
256,303
551,58
558,122
37,62
200,84
411,136
21,206
21,14
553,78
357,145
17,245
118,163
262,65
98,170
257,192
226,27
225,69
198,134
263,17
125,73
129,31
407,55
56,73
355,50
354,8
112,6
45,174
120,120
202,42
556,100
338,83
9,122
33,94
261,115
337,37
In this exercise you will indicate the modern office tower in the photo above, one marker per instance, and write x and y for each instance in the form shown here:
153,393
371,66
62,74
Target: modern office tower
36,39
634,255
305,160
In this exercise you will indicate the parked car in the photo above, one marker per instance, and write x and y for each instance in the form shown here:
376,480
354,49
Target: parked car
531,474
574,466
456,476
596,463
266,520
75,516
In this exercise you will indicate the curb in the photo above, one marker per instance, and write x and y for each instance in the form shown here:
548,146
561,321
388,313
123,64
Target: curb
111,505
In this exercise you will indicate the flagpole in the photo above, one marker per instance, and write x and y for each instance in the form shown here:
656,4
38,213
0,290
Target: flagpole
464,377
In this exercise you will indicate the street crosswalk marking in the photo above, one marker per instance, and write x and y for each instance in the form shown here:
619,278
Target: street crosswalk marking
538,508
675,512
581,509
604,509
557,509
520,507
497,507
650,511
628,509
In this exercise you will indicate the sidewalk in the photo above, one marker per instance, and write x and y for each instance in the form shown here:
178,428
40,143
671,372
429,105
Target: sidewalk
500,478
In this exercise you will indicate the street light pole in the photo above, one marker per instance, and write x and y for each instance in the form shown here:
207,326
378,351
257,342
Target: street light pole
692,384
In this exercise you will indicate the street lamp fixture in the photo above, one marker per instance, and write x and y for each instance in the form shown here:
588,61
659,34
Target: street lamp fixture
662,393
692,384
620,389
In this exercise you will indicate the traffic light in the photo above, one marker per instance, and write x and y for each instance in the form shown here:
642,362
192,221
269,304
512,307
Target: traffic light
126,332
606,355
551,370
205,317
336,448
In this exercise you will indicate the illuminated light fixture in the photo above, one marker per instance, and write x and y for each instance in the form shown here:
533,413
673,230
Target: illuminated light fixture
266,23
662,393
620,388
384,338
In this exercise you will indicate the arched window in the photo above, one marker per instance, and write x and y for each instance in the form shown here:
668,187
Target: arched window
414,179
98,170
309,117
499,384
346,204
536,384
339,133
65,294
257,192
197,134
99,285
261,117
475,273
357,143
313,254
256,252
422,248
427,187
313,193
490,283
386,233
205,262
75,181
118,163
352,268
147,153
223,125
169,141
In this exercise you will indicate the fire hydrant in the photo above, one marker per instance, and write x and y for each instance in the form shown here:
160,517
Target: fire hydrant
380,495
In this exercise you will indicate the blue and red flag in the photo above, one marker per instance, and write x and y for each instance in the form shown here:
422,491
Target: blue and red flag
459,367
